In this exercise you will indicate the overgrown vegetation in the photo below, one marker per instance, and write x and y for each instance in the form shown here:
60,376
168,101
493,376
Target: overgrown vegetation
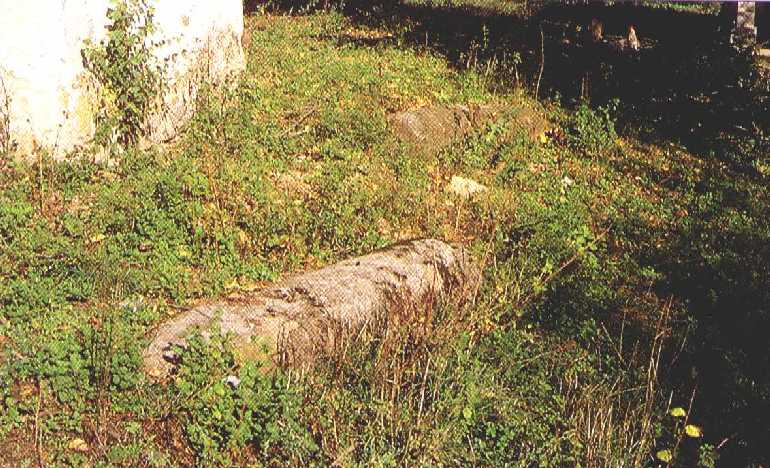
621,319
125,68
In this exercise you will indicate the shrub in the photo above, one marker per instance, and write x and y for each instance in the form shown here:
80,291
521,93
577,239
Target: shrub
592,131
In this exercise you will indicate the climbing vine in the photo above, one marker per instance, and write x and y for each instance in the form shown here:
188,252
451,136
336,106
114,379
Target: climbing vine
126,69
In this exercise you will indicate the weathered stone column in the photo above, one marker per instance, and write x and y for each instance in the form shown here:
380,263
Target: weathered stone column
309,314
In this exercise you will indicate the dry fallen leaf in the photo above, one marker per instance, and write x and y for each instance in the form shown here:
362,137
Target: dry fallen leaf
678,412
693,431
96,239
77,444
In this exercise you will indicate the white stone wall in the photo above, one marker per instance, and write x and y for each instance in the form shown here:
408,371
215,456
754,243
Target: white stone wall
51,103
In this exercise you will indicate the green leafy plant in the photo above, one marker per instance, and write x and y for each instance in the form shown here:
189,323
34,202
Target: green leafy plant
123,64
677,429
592,131
228,407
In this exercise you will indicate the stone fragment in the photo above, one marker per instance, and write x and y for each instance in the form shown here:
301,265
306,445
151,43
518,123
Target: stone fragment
78,445
432,128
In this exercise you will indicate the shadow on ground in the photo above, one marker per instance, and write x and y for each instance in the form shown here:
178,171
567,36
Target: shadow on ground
686,84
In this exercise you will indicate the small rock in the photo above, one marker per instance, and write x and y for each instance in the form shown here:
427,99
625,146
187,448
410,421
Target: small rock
133,304
232,381
465,188
294,183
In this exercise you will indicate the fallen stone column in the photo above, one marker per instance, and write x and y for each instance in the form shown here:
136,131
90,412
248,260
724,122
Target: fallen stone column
302,316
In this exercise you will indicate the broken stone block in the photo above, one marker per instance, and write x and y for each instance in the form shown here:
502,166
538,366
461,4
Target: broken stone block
432,128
